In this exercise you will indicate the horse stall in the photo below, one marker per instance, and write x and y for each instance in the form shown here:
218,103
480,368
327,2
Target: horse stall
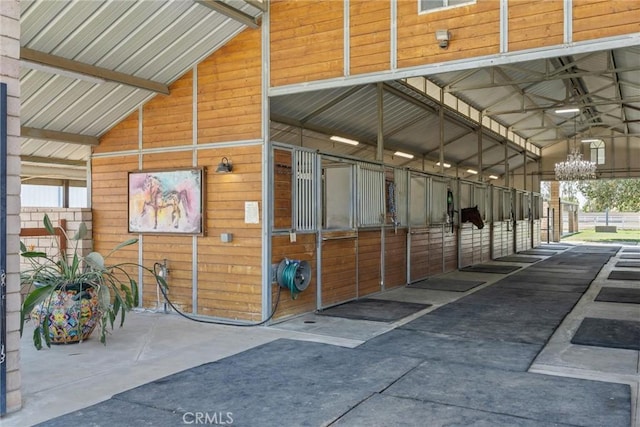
524,217
475,239
502,226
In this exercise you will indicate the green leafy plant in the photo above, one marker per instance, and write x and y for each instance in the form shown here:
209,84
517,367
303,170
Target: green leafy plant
116,290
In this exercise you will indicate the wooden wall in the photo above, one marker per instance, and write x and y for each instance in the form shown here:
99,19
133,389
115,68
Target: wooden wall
369,255
501,239
370,41
339,267
434,250
419,254
535,24
306,40
537,230
593,19
307,37
475,244
474,28
395,258
229,109
523,235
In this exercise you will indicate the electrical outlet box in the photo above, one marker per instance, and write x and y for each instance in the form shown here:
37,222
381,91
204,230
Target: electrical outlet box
226,237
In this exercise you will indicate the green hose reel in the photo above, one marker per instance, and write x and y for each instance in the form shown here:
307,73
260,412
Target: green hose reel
294,275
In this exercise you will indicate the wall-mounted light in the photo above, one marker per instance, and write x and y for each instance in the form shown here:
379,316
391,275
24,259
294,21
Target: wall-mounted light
224,166
344,140
445,165
443,37
402,154
472,171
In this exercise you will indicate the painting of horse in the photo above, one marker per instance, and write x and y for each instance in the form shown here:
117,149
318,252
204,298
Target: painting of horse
472,215
166,201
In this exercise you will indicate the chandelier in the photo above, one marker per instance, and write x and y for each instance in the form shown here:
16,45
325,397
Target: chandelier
575,168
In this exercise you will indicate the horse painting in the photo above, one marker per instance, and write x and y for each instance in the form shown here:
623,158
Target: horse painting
472,215
166,201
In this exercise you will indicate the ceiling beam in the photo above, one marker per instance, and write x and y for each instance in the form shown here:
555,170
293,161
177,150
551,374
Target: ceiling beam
54,161
258,4
54,62
230,12
55,135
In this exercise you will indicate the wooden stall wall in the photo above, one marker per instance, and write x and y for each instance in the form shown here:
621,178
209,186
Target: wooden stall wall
369,265
370,36
523,235
419,254
537,230
474,28
307,41
594,19
339,267
535,24
502,239
229,109
395,257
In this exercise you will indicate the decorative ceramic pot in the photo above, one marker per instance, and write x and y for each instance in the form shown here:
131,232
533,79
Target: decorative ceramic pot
73,314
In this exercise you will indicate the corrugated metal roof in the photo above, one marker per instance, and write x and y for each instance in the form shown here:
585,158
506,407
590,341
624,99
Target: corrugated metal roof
153,40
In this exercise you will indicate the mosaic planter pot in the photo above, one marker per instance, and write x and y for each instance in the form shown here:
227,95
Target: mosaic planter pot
73,314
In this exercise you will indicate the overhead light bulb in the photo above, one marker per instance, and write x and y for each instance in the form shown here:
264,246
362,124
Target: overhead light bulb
344,140
445,164
472,171
567,110
402,154
493,177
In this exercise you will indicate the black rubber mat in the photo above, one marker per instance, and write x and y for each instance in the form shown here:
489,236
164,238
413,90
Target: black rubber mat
608,333
490,268
631,250
377,310
543,252
624,275
553,247
516,258
628,264
453,285
626,295
630,256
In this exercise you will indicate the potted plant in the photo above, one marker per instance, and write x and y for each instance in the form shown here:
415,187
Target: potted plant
68,296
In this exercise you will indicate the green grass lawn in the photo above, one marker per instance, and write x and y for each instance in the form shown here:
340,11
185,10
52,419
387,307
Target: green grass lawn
622,236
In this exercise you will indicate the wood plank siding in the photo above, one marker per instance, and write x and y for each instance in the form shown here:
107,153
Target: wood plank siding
229,109
370,36
474,28
594,19
369,254
395,258
307,41
535,24
339,261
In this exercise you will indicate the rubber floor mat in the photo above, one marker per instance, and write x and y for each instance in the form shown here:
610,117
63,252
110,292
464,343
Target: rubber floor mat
490,268
453,285
624,275
377,310
628,264
624,295
608,333
516,258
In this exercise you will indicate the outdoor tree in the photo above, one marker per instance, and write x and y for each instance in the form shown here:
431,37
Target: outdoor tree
621,195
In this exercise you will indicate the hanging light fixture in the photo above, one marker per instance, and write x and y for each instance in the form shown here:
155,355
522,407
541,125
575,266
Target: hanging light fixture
575,168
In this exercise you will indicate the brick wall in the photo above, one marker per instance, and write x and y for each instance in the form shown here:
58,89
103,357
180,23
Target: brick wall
33,218
10,74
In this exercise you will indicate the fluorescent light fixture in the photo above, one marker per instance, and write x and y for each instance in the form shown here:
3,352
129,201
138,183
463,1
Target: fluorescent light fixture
472,171
567,110
405,155
445,164
591,140
344,140
493,177
60,72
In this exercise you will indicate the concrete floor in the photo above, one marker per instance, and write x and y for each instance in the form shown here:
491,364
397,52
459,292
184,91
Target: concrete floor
154,345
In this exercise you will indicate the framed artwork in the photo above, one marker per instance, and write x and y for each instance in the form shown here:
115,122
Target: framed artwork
166,201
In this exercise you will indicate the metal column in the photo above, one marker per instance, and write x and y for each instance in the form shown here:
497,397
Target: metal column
3,247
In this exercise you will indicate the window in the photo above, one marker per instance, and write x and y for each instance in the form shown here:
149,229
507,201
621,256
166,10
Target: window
430,5
597,152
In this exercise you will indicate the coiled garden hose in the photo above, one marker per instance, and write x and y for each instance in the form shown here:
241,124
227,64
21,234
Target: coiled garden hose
214,322
289,277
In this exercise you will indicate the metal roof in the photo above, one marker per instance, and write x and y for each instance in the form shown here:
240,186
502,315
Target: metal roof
136,49
152,42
